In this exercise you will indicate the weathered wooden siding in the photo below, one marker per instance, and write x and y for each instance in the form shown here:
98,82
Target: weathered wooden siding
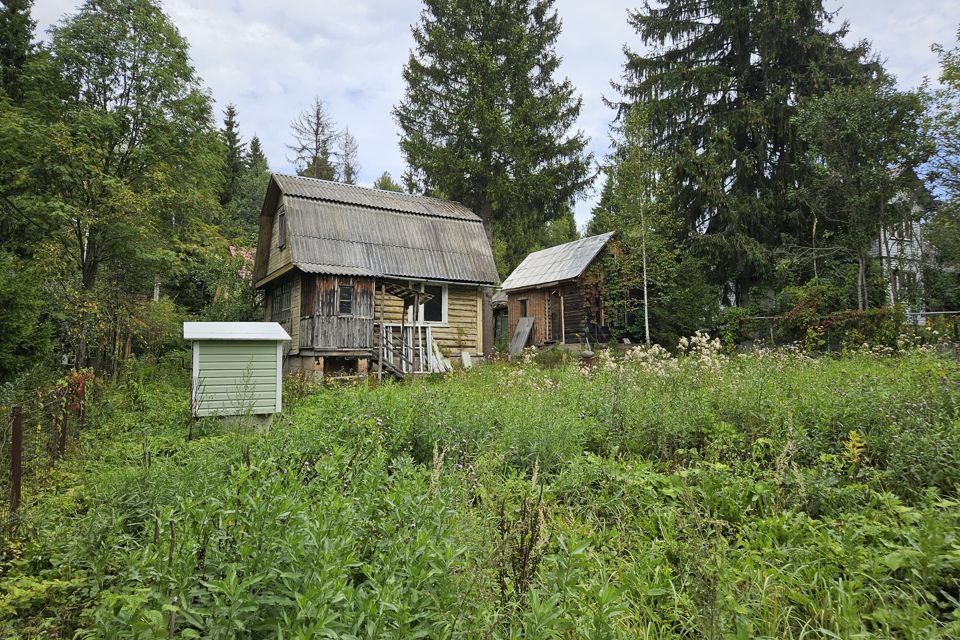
323,328
462,332
278,258
581,312
236,378
578,311
294,305
537,308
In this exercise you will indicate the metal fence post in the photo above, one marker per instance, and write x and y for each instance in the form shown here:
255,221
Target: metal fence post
16,459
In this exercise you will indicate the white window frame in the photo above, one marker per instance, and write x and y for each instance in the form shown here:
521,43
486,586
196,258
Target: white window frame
419,286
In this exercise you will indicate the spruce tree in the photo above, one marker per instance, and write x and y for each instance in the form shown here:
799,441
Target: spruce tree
234,160
721,81
485,121
16,33
244,209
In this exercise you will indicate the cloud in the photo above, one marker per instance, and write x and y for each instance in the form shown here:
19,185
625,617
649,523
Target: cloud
272,58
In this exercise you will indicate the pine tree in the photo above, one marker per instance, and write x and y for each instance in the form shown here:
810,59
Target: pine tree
485,121
16,33
721,81
349,167
314,134
234,160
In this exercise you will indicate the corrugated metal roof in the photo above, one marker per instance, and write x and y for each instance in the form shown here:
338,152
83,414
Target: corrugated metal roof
341,229
562,262
314,189
338,238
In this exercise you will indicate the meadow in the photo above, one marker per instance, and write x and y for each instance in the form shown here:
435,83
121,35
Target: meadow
765,495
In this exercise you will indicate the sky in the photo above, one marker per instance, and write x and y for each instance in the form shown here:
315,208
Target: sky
271,58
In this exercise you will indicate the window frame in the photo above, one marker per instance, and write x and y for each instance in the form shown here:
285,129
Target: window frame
445,309
523,307
280,296
340,300
282,228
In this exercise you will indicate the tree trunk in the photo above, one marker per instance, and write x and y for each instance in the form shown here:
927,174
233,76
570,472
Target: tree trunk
486,214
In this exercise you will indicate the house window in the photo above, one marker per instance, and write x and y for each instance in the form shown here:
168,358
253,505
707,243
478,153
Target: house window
433,308
280,304
282,228
523,307
345,300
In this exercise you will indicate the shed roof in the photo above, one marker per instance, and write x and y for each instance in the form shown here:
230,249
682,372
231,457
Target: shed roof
343,229
234,331
562,262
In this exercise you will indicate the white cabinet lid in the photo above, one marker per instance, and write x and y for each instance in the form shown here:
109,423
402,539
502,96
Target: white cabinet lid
234,331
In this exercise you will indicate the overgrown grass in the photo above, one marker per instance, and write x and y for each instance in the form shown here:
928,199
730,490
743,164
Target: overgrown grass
763,496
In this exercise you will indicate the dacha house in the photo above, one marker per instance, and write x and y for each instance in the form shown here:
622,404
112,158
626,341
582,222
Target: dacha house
368,281
558,291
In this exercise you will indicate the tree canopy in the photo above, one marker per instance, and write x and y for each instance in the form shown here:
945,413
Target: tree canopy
485,119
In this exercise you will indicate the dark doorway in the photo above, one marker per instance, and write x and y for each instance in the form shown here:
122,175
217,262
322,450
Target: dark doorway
556,317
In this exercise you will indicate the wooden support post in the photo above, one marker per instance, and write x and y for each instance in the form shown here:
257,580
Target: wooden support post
16,459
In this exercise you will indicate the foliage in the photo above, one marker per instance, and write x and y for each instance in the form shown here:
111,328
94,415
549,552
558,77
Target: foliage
16,35
649,247
233,162
721,82
943,230
349,165
386,183
24,330
484,120
865,143
759,495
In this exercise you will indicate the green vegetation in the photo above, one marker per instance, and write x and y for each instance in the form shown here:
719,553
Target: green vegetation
765,495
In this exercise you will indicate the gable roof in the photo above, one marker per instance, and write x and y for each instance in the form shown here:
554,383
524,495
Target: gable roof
341,229
562,262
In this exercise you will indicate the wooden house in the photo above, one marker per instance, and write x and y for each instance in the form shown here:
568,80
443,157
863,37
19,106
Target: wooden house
370,281
560,290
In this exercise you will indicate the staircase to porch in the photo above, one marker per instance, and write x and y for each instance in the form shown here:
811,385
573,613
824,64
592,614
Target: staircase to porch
402,350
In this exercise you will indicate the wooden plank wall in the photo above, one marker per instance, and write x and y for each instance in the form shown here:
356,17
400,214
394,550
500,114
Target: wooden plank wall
294,346
537,308
237,377
278,257
319,312
580,312
463,329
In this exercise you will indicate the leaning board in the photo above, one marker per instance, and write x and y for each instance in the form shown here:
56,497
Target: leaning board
521,335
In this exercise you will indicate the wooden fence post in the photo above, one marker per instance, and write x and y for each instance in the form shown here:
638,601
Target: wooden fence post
16,459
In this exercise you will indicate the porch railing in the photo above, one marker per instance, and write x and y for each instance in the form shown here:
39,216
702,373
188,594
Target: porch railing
407,348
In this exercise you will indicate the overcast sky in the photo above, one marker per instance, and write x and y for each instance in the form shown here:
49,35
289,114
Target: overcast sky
271,58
